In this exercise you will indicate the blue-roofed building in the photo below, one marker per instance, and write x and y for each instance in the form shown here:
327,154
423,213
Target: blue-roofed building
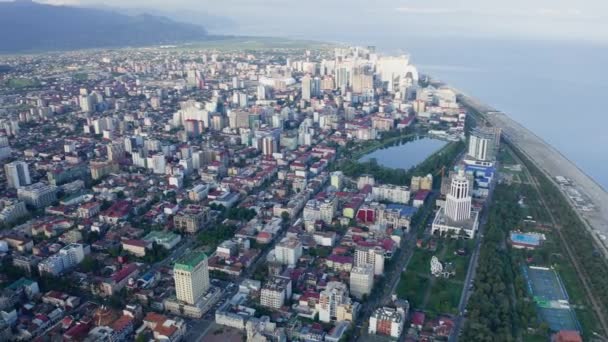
404,210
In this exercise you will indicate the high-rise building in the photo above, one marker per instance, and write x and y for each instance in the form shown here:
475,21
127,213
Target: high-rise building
458,200
116,151
87,103
482,143
456,216
361,281
269,145
306,87
158,164
17,174
191,275
315,87
5,149
373,256
332,300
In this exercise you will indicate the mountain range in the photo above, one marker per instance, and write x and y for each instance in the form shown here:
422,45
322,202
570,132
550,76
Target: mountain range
27,26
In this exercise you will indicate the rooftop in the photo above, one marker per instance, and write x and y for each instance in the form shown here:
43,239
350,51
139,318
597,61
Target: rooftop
189,261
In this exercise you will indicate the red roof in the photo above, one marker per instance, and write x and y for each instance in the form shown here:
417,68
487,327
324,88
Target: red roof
121,323
124,272
568,336
418,318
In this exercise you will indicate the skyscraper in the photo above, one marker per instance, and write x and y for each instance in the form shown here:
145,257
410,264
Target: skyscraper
17,174
458,200
191,275
306,87
456,216
482,143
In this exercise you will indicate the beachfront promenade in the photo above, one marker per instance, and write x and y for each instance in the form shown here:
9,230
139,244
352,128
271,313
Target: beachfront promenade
553,164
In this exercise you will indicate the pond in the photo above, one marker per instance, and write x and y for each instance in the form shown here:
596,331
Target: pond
405,154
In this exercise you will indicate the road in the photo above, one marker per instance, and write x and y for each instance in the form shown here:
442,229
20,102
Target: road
403,256
552,163
471,271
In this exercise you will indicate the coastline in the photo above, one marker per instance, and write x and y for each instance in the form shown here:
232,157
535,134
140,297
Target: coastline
551,163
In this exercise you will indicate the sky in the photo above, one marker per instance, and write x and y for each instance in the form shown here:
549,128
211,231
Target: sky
529,19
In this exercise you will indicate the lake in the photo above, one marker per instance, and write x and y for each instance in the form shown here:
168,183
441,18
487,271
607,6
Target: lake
405,155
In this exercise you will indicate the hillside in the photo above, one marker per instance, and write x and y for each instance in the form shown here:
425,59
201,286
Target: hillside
29,26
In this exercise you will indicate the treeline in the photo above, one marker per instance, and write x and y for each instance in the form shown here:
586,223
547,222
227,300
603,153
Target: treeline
580,240
382,174
491,308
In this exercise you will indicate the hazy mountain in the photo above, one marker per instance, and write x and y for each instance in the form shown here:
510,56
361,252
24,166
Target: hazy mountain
192,16
29,26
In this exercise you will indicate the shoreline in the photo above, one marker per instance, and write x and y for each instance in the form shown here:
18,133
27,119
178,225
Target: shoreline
551,163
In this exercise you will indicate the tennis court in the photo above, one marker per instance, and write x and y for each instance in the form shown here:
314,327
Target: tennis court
545,284
551,298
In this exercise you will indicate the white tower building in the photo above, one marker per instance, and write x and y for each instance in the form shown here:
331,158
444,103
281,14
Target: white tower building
458,200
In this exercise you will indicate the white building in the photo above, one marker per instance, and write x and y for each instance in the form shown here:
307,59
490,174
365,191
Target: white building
191,276
387,321
458,200
288,251
361,281
334,303
158,163
370,256
72,255
364,180
483,143
38,194
275,292
306,87
17,174
391,193
456,216
320,210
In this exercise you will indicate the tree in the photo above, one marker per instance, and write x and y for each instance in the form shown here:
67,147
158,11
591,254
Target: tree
89,264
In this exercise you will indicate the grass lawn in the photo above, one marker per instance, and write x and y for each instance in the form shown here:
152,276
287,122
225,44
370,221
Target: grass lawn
506,156
445,296
412,287
528,337
460,262
421,261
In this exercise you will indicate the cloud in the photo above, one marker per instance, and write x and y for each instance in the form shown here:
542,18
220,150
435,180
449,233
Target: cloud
60,2
542,12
